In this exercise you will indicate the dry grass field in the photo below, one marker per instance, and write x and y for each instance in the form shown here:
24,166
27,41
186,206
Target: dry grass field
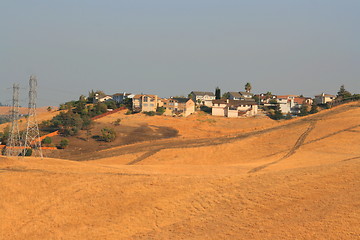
216,179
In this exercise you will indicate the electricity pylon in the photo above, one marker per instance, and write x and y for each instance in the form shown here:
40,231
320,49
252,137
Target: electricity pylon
14,144
32,136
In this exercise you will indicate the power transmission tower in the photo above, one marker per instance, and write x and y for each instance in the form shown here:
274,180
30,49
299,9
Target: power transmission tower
14,144
32,136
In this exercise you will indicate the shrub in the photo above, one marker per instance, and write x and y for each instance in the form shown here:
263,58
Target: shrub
160,110
28,152
108,134
117,122
288,116
206,109
46,141
63,143
151,113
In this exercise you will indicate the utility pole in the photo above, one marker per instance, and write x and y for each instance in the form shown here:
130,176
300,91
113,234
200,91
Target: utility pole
32,136
14,144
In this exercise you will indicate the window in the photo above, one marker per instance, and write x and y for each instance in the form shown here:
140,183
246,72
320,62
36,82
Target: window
151,104
145,99
145,104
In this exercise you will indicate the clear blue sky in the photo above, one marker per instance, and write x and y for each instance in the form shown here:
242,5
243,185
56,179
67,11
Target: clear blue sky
169,47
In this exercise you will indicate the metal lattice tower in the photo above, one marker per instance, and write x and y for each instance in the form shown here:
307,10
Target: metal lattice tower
32,136
14,144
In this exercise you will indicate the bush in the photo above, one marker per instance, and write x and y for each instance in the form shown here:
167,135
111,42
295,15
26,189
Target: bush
108,134
206,109
288,116
63,143
117,122
46,141
128,112
160,110
28,152
151,113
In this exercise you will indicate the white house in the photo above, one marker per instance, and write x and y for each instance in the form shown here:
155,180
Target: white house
120,97
203,98
292,103
324,98
99,98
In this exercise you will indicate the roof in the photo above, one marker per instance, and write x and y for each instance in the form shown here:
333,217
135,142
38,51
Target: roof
122,94
234,102
181,100
241,102
198,93
246,93
235,94
300,100
145,95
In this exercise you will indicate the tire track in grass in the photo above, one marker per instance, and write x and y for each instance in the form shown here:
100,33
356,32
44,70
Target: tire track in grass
299,142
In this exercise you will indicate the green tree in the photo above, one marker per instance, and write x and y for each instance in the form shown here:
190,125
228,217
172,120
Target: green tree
128,103
226,95
111,104
268,95
4,136
303,110
314,108
276,113
248,87
217,93
343,93
68,123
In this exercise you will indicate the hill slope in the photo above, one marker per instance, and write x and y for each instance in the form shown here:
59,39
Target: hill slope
295,180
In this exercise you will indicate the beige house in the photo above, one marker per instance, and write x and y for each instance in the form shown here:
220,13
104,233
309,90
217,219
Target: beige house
324,98
179,107
234,108
145,103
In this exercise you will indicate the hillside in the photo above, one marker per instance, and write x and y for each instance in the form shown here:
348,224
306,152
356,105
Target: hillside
228,179
42,115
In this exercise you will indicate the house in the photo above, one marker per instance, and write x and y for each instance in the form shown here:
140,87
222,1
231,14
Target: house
241,96
105,98
234,108
145,103
292,103
324,98
120,97
265,98
286,102
203,98
179,106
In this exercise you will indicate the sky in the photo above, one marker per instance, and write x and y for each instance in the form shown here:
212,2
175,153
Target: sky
171,48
